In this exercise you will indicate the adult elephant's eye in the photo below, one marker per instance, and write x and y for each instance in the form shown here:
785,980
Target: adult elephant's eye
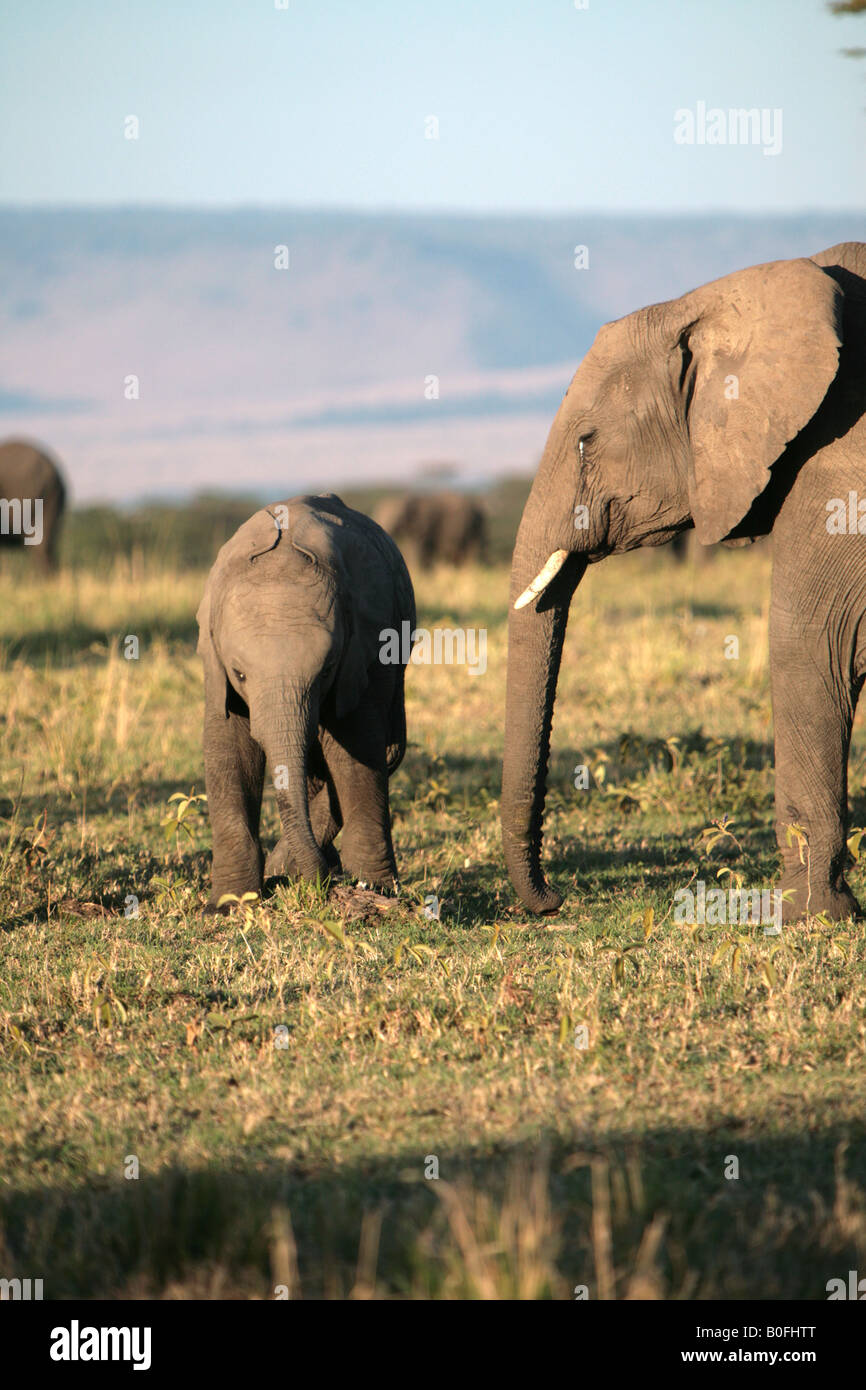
240,675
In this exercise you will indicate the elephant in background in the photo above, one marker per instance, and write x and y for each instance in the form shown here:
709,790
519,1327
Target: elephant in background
739,408
685,547
29,475
436,527
290,631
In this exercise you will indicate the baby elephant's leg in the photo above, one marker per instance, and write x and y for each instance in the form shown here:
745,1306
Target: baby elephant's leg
234,770
326,822
356,751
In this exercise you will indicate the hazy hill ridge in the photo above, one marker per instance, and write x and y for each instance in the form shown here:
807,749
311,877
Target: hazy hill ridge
250,376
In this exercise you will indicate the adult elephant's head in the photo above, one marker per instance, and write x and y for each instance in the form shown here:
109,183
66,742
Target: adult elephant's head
289,627
675,417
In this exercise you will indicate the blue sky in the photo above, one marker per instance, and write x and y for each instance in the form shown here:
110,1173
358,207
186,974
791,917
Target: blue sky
541,106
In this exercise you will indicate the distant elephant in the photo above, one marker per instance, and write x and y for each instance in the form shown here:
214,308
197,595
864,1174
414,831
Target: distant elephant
32,498
739,408
685,546
290,634
436,527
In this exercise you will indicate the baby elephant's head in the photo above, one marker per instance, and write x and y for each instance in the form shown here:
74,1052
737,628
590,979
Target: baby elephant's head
286,625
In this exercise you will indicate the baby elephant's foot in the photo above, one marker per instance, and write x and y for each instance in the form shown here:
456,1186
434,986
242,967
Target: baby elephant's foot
281,863
367,857
834,900
382,881
381,890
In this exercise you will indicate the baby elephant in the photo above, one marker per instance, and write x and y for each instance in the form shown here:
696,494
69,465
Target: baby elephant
289,633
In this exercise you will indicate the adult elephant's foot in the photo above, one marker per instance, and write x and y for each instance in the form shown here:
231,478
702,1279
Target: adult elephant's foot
834,900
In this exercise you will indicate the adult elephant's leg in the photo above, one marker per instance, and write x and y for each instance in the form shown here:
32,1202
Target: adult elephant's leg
814,699
356,751
234,766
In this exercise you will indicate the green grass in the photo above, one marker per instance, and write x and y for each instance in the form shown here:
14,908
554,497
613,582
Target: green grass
284,1079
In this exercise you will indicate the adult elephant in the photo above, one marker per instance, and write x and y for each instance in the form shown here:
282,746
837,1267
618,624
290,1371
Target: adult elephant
291,631
436,527
32,499
738,408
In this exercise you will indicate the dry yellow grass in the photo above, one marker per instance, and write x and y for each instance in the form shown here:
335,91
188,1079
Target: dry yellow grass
283,1082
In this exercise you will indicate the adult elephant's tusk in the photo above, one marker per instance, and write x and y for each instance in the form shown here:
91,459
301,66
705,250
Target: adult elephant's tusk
543,578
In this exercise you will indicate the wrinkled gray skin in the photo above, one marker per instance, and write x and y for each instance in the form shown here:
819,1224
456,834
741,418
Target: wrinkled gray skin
436,527
663,444
289,636
28,472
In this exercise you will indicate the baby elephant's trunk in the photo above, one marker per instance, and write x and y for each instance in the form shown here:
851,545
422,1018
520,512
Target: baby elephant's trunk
285,724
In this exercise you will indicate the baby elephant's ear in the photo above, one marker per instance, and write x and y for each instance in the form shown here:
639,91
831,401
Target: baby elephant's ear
218,691
203,619
759,351
353,674
369,569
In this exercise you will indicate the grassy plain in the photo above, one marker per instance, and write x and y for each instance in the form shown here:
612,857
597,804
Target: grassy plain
285,1083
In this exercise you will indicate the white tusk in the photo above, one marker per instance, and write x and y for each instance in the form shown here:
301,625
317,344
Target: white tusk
543,578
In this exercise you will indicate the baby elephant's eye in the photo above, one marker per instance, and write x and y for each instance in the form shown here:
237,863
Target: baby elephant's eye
240,675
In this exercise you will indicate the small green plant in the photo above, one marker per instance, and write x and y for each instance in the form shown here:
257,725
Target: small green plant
623,956
187,806
246,902
420,953
96,986
714,835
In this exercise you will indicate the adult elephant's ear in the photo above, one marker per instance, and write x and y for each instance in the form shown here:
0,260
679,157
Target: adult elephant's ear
759,350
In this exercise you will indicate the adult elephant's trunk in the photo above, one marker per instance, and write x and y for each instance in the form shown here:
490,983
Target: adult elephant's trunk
536,633
285,723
